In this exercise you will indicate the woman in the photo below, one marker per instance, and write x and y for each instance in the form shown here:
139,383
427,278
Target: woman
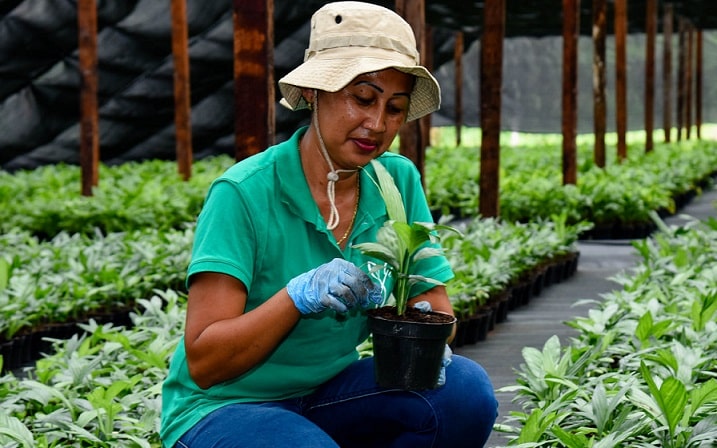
276,300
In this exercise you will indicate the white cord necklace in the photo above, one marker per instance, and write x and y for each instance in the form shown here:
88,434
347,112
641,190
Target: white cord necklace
332,176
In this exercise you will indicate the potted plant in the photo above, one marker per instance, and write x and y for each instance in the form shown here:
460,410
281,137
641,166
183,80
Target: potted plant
408,344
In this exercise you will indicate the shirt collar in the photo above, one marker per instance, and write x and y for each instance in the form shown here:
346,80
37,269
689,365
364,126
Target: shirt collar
296,194
292,183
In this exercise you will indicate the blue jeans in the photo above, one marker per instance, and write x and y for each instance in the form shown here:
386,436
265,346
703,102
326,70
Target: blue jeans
351,410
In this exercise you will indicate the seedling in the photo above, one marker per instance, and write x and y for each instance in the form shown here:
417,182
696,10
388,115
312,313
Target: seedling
401,245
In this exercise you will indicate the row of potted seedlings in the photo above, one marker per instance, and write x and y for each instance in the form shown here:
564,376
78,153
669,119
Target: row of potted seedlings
74,395
641,370
617,199
501,266
475,326
53,285
508,274
47,287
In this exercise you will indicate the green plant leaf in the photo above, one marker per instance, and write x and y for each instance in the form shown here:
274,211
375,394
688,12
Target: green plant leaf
702,311
535,426
427,252
389,192
674,397
702,394
379,251
414,278
13,428
571,440
404,238
420,234
670,397
4,273
644,327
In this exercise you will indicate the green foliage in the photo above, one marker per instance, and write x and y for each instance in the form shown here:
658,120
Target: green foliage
101,388
641,370
48,200
492,254
69,277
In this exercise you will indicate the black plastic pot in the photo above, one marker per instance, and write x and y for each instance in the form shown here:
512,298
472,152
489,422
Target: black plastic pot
408,355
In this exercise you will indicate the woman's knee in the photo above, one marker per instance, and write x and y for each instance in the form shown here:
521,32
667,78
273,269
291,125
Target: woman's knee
467,407
469,383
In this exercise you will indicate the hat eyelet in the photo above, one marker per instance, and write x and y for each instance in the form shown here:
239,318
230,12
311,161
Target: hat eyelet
338,19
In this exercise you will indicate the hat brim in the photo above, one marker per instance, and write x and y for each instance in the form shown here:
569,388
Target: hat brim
333,74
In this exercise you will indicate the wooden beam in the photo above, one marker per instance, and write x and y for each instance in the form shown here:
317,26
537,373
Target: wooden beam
689,84
681,48
412,143
667,20
571,33
491,73
621,77
458,81
650,34
89,116
253,76
182,90
599,16
699,78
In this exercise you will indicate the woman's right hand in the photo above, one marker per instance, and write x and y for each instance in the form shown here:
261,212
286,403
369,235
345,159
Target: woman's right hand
339,285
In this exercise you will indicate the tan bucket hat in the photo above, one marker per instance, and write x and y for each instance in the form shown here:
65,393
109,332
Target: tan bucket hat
352,38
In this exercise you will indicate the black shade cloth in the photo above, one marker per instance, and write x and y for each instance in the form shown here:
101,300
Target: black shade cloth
39,79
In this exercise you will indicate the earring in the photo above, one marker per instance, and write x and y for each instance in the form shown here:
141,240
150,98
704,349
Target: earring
310,106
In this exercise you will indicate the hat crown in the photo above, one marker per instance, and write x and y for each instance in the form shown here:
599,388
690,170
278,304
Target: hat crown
352,38
355,24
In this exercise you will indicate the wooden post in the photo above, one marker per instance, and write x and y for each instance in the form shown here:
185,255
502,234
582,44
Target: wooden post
182,90
599,80
650,33
425,122
688,79
571,31
491,73
253,76
667,71
458,59
621,77
412,134
698,85
89,116
680,113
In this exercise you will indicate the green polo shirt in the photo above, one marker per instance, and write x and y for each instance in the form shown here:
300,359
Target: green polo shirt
261,225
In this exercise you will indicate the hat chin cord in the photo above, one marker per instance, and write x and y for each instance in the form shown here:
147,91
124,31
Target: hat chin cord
333,175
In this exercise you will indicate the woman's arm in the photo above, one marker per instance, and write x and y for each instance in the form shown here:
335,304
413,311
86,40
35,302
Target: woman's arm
221,340
440,302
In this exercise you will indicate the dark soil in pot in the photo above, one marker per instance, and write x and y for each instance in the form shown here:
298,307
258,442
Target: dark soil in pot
408,349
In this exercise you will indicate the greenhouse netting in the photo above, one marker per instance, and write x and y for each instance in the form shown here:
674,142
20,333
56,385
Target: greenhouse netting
39,73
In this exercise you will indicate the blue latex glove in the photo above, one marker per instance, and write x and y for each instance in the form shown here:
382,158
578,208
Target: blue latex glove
338,284
447,353
425,307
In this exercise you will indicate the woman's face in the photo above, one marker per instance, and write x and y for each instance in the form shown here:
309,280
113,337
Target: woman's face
359,122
